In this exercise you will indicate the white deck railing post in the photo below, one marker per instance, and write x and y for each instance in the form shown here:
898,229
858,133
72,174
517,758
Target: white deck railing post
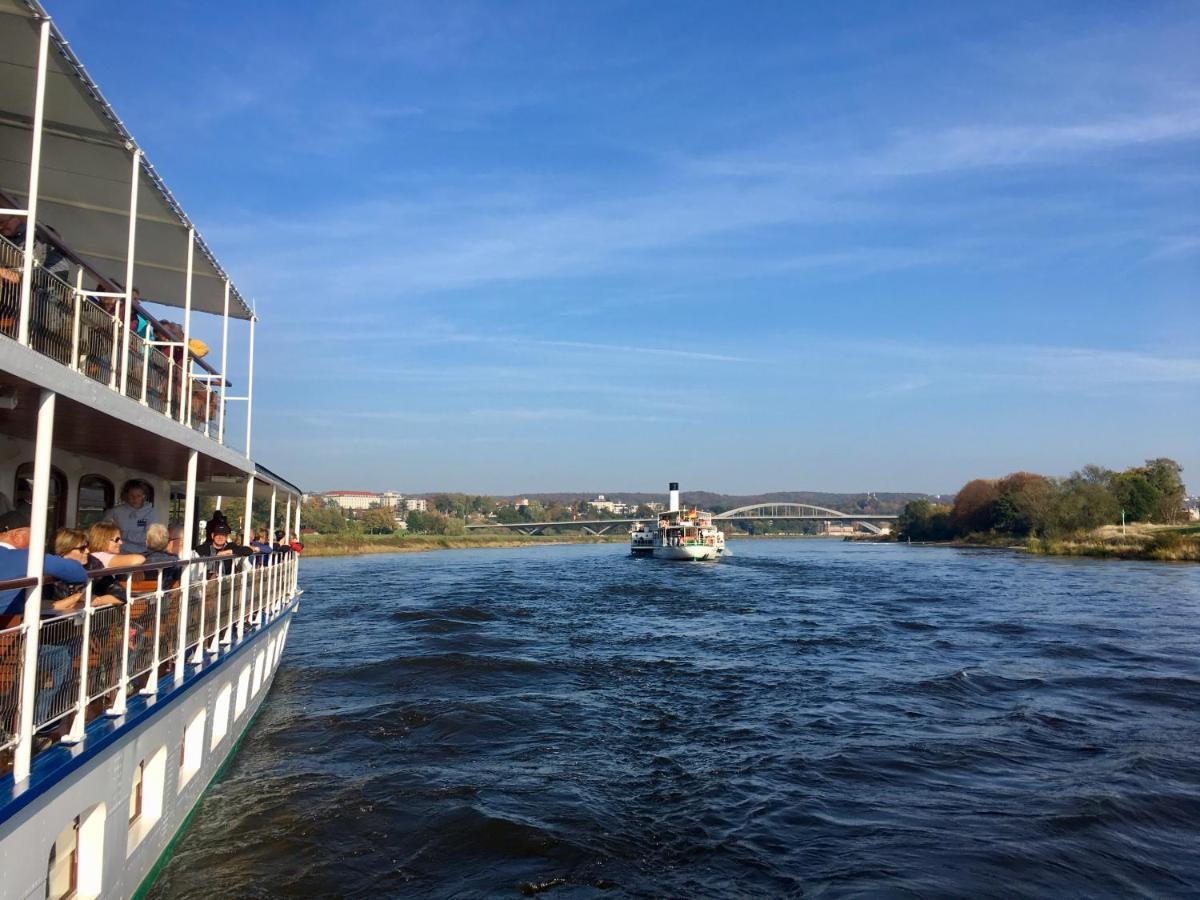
198,655
241,623
77,322
151,687
75,734
119,704
35,171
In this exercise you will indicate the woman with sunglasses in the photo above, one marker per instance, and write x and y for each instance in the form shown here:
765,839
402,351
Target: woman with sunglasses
71,543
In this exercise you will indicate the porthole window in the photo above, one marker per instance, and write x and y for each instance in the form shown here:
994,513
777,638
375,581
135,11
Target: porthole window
96,494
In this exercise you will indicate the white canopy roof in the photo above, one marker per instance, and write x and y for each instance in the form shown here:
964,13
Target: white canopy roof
86,164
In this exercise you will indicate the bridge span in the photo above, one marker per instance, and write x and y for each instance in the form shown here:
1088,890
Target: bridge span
760,511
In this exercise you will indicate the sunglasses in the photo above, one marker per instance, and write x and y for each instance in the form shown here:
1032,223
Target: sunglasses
80,547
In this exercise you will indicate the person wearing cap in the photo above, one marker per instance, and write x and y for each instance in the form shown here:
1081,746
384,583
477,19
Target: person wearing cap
14,561
218,544
133,515
53,659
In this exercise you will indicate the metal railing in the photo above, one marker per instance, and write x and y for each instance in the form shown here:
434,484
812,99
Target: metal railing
91,659
67,325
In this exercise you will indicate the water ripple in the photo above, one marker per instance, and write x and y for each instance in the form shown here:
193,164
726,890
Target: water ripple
803,718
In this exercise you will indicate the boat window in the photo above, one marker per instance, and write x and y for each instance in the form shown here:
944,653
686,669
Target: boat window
75,867
221,716
62,873
146,798
56,509
135,793
96,494
192,751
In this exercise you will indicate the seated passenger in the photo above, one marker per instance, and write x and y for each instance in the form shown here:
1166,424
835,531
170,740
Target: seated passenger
104,547
55,660
217,518
14,560
63,596
158,540
218,544
133,515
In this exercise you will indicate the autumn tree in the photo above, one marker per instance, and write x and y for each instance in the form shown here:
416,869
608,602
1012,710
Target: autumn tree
974,507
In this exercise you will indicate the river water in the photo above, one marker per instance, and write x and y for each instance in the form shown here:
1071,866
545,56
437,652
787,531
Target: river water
804,717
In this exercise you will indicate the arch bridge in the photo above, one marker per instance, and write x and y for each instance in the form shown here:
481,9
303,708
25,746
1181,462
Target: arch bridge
802,512
760,511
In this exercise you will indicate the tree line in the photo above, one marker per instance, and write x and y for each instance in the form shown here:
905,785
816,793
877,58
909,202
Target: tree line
1024,504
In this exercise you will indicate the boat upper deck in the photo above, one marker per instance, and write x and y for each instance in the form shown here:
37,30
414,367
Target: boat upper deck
89,231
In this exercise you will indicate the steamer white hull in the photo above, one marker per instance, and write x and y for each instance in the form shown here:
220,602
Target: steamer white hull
687,553
116,857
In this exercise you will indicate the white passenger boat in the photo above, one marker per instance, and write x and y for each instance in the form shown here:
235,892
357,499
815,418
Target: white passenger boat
114,716
678,534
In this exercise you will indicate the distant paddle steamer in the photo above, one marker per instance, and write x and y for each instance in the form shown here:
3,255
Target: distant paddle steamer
678,534
115,714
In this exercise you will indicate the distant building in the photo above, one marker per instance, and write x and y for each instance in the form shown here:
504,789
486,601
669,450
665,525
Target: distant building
836,528
601,504
357,501
350,501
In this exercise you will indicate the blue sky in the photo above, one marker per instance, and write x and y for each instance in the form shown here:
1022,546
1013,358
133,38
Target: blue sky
507,247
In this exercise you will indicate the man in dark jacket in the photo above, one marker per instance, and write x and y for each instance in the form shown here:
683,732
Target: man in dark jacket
218,544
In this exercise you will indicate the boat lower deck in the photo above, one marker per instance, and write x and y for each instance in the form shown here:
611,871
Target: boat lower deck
113,803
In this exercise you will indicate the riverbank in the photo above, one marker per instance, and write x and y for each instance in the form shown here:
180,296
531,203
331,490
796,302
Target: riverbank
359,545
1162,543
1155,543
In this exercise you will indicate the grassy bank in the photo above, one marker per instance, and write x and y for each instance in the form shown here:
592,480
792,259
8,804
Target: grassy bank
357,545
1151,542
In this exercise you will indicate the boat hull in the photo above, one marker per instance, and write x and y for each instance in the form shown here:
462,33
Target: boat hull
689,552
93,779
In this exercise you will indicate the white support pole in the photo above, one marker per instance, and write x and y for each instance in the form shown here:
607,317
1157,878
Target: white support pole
224,367
129,257
296,561
247,517
220,499
33,595
247,523
35,172
185,386
250,386
185,552
271,533
287,522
